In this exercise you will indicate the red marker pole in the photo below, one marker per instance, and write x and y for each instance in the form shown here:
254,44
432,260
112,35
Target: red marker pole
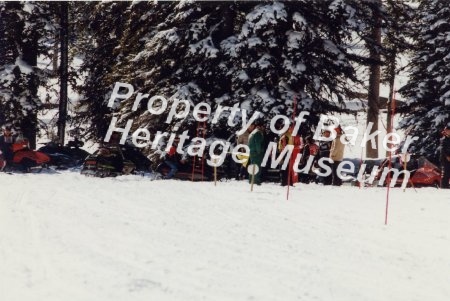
290,165
390,161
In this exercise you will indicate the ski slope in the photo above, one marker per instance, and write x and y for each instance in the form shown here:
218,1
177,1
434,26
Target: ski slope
68,237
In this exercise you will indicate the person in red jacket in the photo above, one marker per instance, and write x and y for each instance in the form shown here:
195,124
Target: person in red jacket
173,159
288,176
310,149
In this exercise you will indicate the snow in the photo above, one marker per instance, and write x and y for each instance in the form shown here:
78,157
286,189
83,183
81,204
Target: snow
69,237
300,20
294,39
263,62
242,75
298,68
264,15
329,46
204,47
230,46
24,67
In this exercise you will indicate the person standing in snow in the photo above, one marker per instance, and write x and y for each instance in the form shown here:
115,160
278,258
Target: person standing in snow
310,149
445,157
337,155
324,152
6,142
173,159
256,145
285,140
242,172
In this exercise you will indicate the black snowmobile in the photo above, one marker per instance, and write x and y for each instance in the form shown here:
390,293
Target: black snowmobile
68,156
115,160
194,169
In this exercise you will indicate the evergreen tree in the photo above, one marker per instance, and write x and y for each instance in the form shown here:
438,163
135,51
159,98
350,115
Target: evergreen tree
24,26
397,42
260,55
428,91
98,27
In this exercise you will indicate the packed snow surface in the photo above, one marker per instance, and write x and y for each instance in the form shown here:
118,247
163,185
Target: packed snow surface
69,237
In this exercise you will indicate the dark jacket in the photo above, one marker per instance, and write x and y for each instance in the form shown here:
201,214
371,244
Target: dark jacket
445,150
324,149
6,146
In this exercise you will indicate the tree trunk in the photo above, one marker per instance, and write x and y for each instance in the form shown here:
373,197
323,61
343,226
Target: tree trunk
55,56
63,71
391,82
29,122
374,81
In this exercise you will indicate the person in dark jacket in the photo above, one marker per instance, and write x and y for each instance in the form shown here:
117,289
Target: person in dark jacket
256,145
324,152
445,157
6,142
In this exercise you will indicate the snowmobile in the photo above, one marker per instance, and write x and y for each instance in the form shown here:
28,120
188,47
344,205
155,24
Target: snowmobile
63,157
422,171
24,159
115,160
194,169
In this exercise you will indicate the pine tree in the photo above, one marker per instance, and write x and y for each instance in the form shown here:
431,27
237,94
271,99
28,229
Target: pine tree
428,91
397,43
99,27
24,28
258,54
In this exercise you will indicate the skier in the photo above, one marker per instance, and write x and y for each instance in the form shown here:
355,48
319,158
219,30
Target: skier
256,145
445,157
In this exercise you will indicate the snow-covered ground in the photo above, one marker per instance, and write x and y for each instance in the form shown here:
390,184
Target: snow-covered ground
72,238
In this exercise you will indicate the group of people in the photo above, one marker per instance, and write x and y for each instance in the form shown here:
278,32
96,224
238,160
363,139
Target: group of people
333,149
257,143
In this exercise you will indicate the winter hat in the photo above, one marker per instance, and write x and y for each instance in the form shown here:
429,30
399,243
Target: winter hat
258,122
309,139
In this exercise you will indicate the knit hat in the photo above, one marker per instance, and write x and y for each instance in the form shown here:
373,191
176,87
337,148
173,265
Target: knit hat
258,122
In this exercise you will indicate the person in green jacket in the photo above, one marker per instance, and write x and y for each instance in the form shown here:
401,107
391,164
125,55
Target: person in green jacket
256,145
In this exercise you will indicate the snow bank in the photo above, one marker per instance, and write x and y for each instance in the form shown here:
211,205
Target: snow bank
68,237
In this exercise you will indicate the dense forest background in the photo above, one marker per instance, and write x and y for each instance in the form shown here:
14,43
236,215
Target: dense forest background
260,54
